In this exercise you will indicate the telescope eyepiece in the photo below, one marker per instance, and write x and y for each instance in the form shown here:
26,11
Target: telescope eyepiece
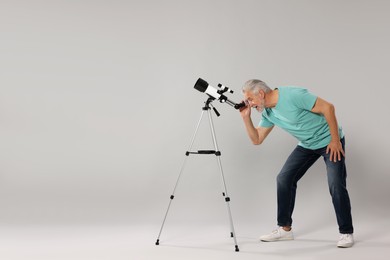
239,105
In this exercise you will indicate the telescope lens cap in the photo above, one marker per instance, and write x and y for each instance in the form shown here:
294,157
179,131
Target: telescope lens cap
201,85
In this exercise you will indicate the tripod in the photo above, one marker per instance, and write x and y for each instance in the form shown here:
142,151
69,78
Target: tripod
215,152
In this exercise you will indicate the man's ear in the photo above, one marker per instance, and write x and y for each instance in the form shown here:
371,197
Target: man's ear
261,94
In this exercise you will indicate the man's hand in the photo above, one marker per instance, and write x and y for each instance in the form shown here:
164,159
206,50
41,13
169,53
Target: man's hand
245,111
327,109
336,150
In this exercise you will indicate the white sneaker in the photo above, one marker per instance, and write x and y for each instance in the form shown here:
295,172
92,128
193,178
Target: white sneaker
278,235
346,240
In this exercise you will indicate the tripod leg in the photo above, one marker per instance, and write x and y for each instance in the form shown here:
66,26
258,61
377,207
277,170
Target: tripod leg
178,178
227,200
225,194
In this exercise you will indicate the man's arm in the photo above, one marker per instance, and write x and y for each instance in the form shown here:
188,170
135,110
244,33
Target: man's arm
327,109
258,134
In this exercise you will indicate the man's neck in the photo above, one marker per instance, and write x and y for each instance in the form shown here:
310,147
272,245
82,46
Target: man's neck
271,98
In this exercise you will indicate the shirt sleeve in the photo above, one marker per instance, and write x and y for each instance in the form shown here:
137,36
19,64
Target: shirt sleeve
302,98
264,122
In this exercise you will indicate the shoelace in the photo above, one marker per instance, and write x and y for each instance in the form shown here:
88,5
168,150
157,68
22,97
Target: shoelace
345,236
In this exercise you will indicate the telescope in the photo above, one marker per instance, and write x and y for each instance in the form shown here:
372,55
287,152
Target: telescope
213,94
217,93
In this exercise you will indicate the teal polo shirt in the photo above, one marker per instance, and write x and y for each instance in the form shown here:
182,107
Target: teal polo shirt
293,114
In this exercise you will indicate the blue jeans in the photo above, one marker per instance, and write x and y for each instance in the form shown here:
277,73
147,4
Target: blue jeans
300,160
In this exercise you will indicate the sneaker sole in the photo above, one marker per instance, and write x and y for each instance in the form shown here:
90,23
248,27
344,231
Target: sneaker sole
279,239
345,246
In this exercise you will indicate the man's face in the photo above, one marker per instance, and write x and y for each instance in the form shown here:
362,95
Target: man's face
255,100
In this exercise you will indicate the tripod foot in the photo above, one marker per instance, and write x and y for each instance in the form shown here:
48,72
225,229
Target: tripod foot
158,242
237,250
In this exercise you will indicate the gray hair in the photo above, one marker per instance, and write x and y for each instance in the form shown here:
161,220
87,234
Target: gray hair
254,86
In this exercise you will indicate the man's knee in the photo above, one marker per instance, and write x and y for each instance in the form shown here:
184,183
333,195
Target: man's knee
284,179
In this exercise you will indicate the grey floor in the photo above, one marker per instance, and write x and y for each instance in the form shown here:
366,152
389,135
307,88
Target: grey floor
184,242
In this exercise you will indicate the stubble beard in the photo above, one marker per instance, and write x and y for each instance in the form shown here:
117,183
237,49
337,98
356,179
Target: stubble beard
260,107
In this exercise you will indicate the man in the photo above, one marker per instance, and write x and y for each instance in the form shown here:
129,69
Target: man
313,122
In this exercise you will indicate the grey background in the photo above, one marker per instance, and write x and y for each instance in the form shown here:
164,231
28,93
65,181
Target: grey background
97,108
